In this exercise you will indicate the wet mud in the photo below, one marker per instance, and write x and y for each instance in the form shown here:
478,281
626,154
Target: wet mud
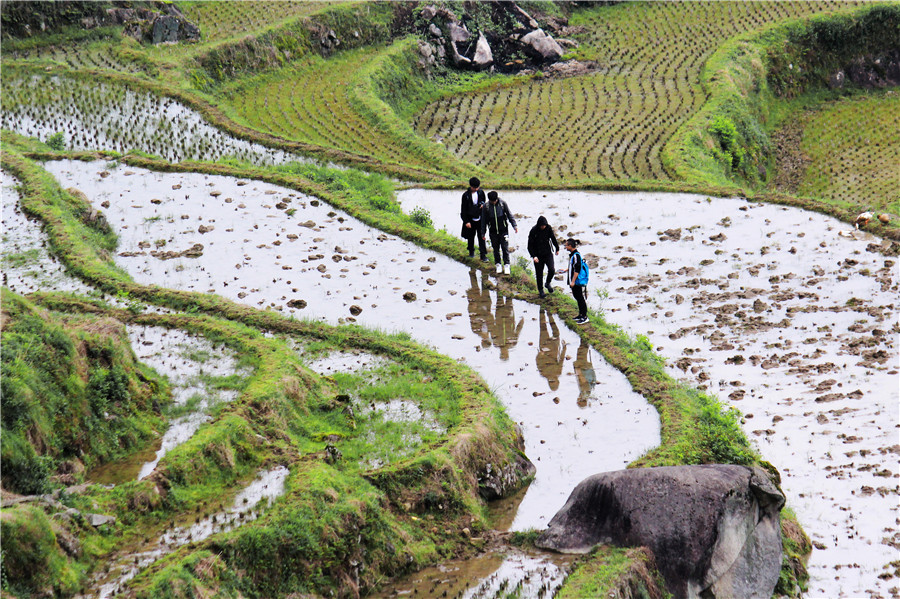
786,315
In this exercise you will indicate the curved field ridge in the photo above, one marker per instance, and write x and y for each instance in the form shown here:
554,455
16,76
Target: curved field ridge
613,123
850,151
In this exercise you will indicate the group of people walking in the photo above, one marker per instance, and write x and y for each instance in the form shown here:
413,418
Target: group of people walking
487,215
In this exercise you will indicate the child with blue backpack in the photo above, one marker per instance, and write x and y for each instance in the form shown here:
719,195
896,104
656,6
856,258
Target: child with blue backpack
577,278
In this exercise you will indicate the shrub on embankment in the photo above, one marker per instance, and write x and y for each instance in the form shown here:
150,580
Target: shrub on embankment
727,141
73,396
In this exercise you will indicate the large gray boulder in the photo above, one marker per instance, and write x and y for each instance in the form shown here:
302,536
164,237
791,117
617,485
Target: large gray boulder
714,530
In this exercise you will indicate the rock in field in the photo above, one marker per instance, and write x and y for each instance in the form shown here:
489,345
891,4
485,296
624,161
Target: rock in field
714,530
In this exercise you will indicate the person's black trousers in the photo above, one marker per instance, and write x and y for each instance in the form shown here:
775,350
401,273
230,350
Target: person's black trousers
578,294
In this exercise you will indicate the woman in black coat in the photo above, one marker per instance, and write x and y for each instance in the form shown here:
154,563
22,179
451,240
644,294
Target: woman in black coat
542,246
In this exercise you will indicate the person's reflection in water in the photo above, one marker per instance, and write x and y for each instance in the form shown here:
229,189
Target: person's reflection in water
584,373
480,317
505,332
551,350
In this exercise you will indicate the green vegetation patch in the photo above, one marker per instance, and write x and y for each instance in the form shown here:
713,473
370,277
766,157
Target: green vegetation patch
73,396
615,572
849,149
761,80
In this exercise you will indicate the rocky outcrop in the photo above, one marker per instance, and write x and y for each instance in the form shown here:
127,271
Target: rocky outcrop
510,34
542,46
714,530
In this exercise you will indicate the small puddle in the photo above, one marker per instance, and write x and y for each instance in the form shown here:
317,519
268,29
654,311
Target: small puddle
346,361
781,313
248,505
193,366
501,574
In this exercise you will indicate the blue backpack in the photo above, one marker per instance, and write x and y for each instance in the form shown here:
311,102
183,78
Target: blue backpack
583,273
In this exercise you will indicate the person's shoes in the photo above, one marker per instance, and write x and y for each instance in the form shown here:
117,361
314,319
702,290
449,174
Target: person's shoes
471,254
542,294
505,269
549,289
484,258
581,320
499,268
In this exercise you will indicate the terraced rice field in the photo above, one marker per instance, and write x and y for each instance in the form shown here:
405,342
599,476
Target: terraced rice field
851,149
102,56
313,103
219,21
615,122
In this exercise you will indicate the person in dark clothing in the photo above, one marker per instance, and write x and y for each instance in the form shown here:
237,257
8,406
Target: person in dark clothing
494,217
470,209
576,277
542,245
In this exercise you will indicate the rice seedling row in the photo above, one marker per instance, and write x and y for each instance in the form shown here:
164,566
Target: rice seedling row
313,103
95,56
222,20
108,116
648,84
851,148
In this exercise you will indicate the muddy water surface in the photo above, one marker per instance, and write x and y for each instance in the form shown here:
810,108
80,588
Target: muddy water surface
784,314
579,415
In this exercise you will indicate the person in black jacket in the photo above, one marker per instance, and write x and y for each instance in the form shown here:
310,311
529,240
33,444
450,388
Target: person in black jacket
542,245
494,217
470,212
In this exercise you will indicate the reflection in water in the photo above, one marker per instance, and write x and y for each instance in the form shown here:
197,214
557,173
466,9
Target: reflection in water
480,316
584,372
499,329
551,350
505,332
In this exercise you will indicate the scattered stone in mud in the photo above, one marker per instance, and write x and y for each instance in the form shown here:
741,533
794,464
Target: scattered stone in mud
308,224
156,201
409,296
281,205
719,237
215,194
627,261
431,281
355,310
294,303
241,183
104,174
195,251
205,229
670,235
105,204
321,268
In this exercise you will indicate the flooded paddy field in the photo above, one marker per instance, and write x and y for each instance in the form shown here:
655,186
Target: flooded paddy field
97,115
202,377
786,315
579,415
247,506
27,263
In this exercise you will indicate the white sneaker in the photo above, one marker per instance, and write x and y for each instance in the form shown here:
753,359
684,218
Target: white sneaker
499,268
